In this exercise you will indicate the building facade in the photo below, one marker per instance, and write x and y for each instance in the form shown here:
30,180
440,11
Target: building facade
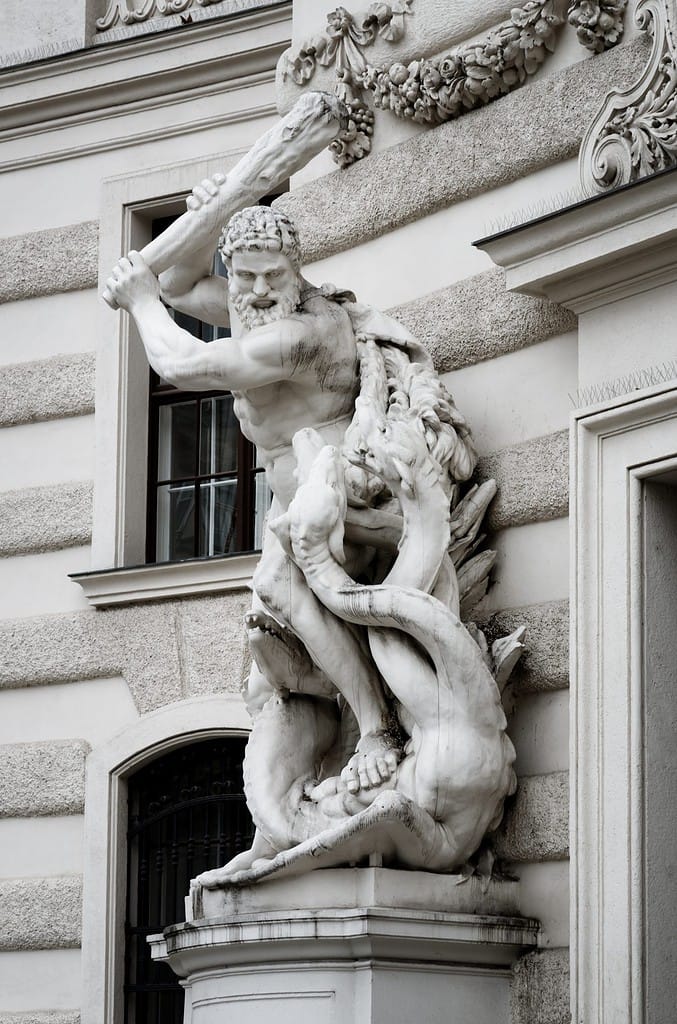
128,538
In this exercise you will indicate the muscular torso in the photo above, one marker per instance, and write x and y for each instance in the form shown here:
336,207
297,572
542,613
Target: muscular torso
320,393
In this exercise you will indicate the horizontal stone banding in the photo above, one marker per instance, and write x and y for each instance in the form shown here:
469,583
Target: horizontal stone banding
63,259
545,662
45,518
536,822
533,481
202,641
42,778
47,389
41,1017
40,913
540,988
531,128
477,319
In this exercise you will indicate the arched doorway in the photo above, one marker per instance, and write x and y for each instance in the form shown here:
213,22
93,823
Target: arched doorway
186,813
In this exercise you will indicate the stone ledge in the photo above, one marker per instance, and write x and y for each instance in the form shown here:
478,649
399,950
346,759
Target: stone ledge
531,128
202,641
42,778
540,988
41,1017
47,389
40,913
63,259
536,822
533,481
545,663
45,518
477,319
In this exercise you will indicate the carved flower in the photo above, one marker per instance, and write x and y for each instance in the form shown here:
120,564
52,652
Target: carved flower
381,13
339,22
451,68
431,79
586,13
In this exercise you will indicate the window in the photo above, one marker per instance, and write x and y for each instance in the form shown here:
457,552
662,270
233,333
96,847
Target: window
186,814
207,494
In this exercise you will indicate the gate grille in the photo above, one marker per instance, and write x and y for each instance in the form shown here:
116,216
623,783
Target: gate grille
187,813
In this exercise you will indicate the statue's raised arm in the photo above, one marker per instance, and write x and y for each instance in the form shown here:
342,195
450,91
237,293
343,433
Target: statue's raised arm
288,146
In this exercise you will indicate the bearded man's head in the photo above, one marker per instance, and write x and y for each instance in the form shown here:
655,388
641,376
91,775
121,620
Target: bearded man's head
260,250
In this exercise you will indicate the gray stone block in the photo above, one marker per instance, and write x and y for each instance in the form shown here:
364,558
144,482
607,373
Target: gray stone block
47,389
533,481
63,259
166,650
531,128
41,1017
477,319
540,988
535,826
545,663
42,778
45,518
40,913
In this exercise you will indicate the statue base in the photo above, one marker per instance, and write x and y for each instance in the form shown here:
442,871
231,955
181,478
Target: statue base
350,946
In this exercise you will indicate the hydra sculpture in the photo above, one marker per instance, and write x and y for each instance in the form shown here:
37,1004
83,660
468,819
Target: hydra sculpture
378,730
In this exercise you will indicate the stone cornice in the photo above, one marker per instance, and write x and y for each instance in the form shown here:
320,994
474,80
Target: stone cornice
143,69
617,244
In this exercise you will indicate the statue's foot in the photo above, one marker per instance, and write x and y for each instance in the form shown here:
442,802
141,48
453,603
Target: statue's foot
373,763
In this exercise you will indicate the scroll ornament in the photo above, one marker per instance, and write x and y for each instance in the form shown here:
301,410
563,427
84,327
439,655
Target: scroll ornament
634,134
128,12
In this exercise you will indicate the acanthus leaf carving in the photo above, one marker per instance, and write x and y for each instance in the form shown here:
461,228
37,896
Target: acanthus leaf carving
599,25
634,134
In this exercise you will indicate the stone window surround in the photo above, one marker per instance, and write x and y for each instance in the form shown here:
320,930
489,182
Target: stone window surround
105,834
119,575
617,449
614,247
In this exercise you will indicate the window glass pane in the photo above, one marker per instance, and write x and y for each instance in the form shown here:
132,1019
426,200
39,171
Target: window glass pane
176,441
262,498
176,522
218,517
219,433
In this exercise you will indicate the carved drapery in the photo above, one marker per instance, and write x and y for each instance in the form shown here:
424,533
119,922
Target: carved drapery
128,12
635,132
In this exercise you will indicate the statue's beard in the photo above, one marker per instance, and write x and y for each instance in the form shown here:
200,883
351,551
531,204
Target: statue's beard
283,305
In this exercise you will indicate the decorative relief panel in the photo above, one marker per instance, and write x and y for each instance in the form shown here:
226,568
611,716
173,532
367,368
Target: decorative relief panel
129,12
433,89
634,134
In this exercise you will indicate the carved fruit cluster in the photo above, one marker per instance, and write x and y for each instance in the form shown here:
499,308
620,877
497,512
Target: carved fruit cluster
354,142
438,90
599,26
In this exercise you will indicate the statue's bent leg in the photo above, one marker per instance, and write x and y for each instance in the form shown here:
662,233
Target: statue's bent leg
336,650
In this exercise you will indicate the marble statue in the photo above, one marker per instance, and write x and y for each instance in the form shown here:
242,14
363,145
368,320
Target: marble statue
378,730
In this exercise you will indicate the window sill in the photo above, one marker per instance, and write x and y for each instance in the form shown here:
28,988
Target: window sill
106,587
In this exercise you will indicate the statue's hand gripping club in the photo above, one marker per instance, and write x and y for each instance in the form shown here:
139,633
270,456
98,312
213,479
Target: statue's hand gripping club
312,123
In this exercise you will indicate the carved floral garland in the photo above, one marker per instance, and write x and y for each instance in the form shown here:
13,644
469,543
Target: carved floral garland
442,88
599,26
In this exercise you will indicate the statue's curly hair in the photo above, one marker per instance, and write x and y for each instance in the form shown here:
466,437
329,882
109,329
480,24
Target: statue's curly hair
260,227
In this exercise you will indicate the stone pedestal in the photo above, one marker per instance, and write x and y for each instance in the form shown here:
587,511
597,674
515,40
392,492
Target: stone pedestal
350,946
